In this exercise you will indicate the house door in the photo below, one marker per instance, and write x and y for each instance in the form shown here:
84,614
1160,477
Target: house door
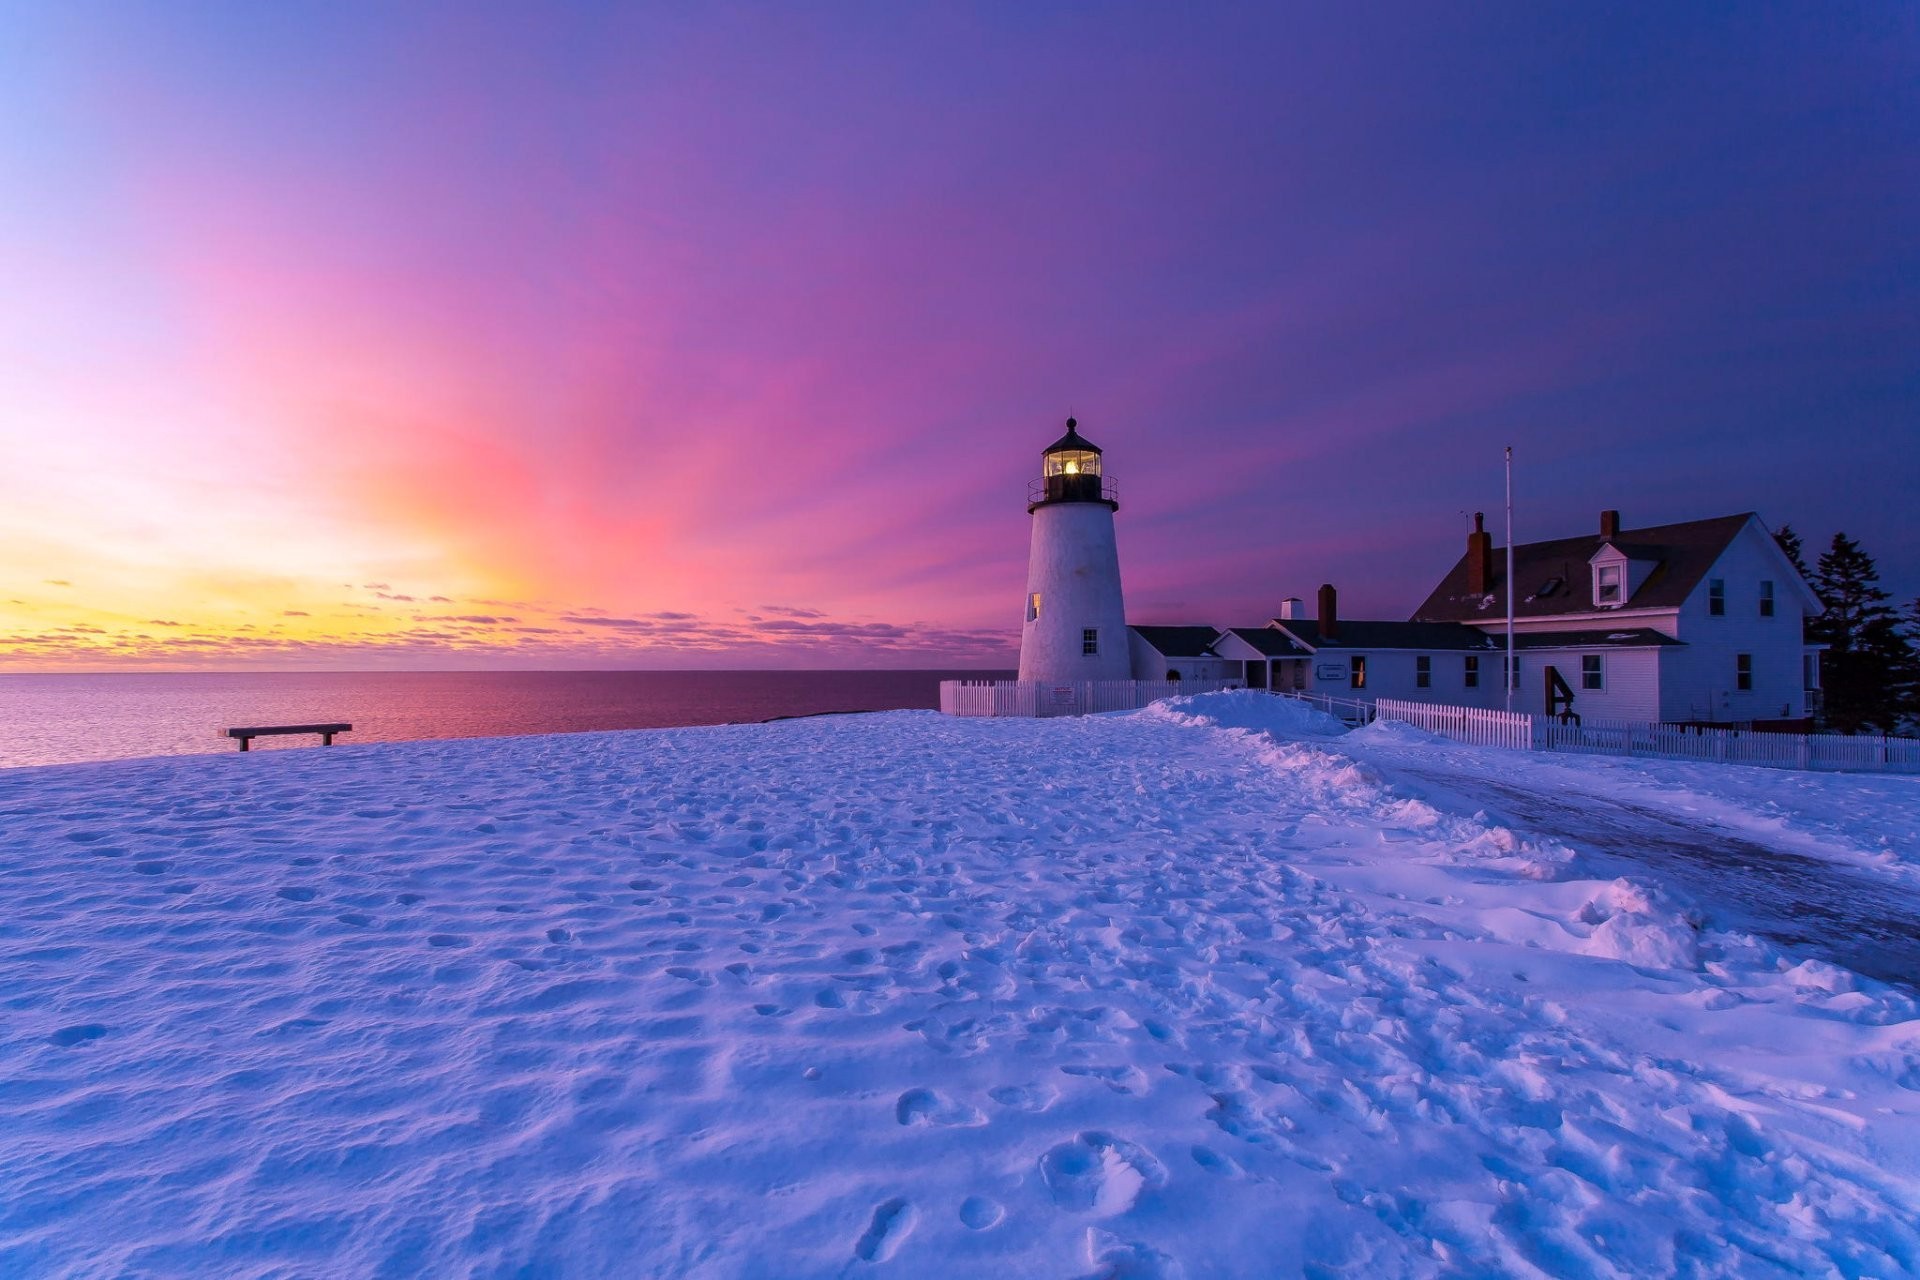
1257,674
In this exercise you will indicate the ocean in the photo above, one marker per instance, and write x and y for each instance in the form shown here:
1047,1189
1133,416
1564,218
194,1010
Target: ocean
63,719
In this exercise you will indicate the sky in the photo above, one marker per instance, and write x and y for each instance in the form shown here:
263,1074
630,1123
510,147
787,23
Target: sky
551,336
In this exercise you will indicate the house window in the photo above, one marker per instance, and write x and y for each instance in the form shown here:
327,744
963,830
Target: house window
1033,607
1606,584
1357,672
1592,674
1471,676
1766,599
1716,597
1089,642
1510,665
1423,672
1743,671
1810,671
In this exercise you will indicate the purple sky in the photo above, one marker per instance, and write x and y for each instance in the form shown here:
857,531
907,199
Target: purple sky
748,324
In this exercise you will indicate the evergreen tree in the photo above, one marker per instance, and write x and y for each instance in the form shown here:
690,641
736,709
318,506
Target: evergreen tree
1869,670
1790,543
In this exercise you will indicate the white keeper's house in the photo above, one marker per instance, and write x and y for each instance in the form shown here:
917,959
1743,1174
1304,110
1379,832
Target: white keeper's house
1697,622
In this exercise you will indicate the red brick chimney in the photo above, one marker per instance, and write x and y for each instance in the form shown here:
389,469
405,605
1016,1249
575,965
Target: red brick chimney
1609,525
1479,557
1329,616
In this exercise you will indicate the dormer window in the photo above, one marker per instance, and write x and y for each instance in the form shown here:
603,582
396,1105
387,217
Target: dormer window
1606,584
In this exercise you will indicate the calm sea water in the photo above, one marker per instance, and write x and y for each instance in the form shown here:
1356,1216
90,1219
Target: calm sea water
60,719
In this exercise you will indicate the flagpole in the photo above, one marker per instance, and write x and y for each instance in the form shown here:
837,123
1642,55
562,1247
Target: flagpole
1513,673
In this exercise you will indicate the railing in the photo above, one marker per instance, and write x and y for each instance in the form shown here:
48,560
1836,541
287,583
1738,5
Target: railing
1353,711
1484,728
1031,698
1476,726
1732,746
1079,489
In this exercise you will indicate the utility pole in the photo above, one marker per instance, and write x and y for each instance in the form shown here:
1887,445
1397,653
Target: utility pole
1513,671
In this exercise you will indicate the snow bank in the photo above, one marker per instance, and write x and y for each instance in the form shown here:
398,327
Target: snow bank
897,995
1248,709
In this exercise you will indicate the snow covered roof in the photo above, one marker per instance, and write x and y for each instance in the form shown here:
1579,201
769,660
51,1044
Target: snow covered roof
1682,553
1179,642
1351,634
1615,638
1270,642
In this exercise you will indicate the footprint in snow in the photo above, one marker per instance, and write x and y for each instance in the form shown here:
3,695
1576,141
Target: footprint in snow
1023,1097
299,894
79,1033
1100,1174
981,1213
925,1106
1121,1079
890,1226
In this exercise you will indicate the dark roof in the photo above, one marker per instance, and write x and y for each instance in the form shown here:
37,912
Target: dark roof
1683,554
1179,642
1620,638
1072,440
1388,635
1270,643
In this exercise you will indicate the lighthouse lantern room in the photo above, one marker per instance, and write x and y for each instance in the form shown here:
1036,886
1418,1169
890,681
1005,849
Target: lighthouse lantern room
1076,625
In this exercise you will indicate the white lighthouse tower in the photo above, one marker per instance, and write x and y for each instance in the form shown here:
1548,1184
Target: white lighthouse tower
1076,625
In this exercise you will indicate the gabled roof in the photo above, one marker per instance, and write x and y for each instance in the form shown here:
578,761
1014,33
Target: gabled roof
1270,643
1387,635
1619,638
1683,553
1179,642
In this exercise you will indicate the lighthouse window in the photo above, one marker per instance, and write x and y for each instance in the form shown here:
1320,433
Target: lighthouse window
1033,607
1073,462
1090,642
1357,671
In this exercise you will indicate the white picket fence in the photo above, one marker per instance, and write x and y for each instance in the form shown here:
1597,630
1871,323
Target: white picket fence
1032,698
1484,728
1476,726
1732,746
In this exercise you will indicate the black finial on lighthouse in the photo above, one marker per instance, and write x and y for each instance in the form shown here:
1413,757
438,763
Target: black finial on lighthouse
1072,425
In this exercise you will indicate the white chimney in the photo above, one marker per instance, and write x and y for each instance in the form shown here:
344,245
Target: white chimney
1292,609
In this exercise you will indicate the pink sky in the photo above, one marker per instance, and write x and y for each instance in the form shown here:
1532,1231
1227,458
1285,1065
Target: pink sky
731,339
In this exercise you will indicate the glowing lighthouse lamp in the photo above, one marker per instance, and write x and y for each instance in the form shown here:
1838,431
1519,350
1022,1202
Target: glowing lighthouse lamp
1076,624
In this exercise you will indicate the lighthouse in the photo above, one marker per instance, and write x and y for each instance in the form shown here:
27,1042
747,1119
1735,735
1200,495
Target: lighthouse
1076,624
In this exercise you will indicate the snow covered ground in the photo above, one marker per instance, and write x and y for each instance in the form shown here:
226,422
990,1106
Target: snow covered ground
1825,864
1201,990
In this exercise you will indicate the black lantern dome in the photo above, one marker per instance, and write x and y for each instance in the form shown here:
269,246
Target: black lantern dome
1070,471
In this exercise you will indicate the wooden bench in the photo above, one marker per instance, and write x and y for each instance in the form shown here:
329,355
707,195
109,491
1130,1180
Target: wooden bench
326,732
